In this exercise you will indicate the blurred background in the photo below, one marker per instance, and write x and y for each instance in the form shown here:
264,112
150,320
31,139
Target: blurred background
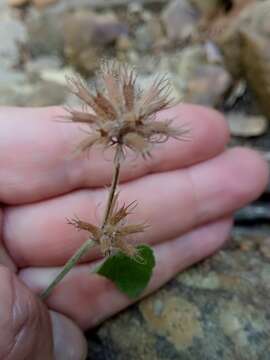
216,53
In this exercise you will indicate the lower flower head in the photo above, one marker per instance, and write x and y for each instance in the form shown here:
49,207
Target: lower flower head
114,234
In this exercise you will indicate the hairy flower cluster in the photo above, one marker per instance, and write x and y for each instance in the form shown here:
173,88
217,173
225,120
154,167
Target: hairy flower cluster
112,236
121,113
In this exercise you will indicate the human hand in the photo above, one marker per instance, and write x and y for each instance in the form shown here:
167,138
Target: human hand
187,193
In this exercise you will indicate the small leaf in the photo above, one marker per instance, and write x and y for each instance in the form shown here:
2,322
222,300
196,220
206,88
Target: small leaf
129,275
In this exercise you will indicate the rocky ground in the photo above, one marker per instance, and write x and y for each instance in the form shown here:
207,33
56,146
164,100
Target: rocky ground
216,53
216,310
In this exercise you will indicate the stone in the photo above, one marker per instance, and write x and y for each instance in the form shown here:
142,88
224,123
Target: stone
247,125
265,248
37,3
43,63
213,53
11,83
208,8
256,63
208,85
145,81
178,321
101,4
245,45
200,81
124,43
48,68
252,213
43,3
18,2
180,19
26,93
57,76
11,77
45,33
86,34
223,22
4,6
12,34
47,93
149,34
266,156
218,309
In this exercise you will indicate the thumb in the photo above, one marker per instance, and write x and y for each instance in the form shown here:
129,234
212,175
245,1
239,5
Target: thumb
27,328
69,342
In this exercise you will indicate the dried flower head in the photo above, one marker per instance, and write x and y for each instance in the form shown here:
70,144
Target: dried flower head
113,235
122,114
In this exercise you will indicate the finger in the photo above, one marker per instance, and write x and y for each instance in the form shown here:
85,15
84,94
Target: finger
92,298
171,202
27,328
69,341
4,257
36,162
24,322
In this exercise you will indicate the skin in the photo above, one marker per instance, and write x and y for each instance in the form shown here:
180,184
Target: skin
187,192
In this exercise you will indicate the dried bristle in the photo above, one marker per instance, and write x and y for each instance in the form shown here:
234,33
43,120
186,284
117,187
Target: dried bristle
156,98
121,213
127,248
82,225
88,142
81,117
136,142
130,251
181,133
109,72
79,88
129,80
113,204
132,229
107,108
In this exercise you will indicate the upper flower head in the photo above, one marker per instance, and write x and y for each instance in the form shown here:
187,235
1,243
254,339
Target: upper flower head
120,113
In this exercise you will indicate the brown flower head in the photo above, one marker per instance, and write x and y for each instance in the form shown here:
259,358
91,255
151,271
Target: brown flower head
113,235
121,113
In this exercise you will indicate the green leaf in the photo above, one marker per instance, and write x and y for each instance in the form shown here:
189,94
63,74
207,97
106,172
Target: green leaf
129,275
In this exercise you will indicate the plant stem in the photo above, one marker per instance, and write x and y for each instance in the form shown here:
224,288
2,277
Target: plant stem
68,266
115,180
90,242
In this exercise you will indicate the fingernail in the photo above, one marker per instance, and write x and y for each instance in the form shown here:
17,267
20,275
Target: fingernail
69,341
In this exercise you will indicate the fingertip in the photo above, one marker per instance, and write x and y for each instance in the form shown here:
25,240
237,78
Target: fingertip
253,172
215,124
228,182
69,341
209,131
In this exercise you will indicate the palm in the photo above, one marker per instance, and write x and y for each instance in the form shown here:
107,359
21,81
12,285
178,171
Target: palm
187,192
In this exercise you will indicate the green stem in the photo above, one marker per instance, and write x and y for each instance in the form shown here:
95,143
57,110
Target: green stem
88,243
68,266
